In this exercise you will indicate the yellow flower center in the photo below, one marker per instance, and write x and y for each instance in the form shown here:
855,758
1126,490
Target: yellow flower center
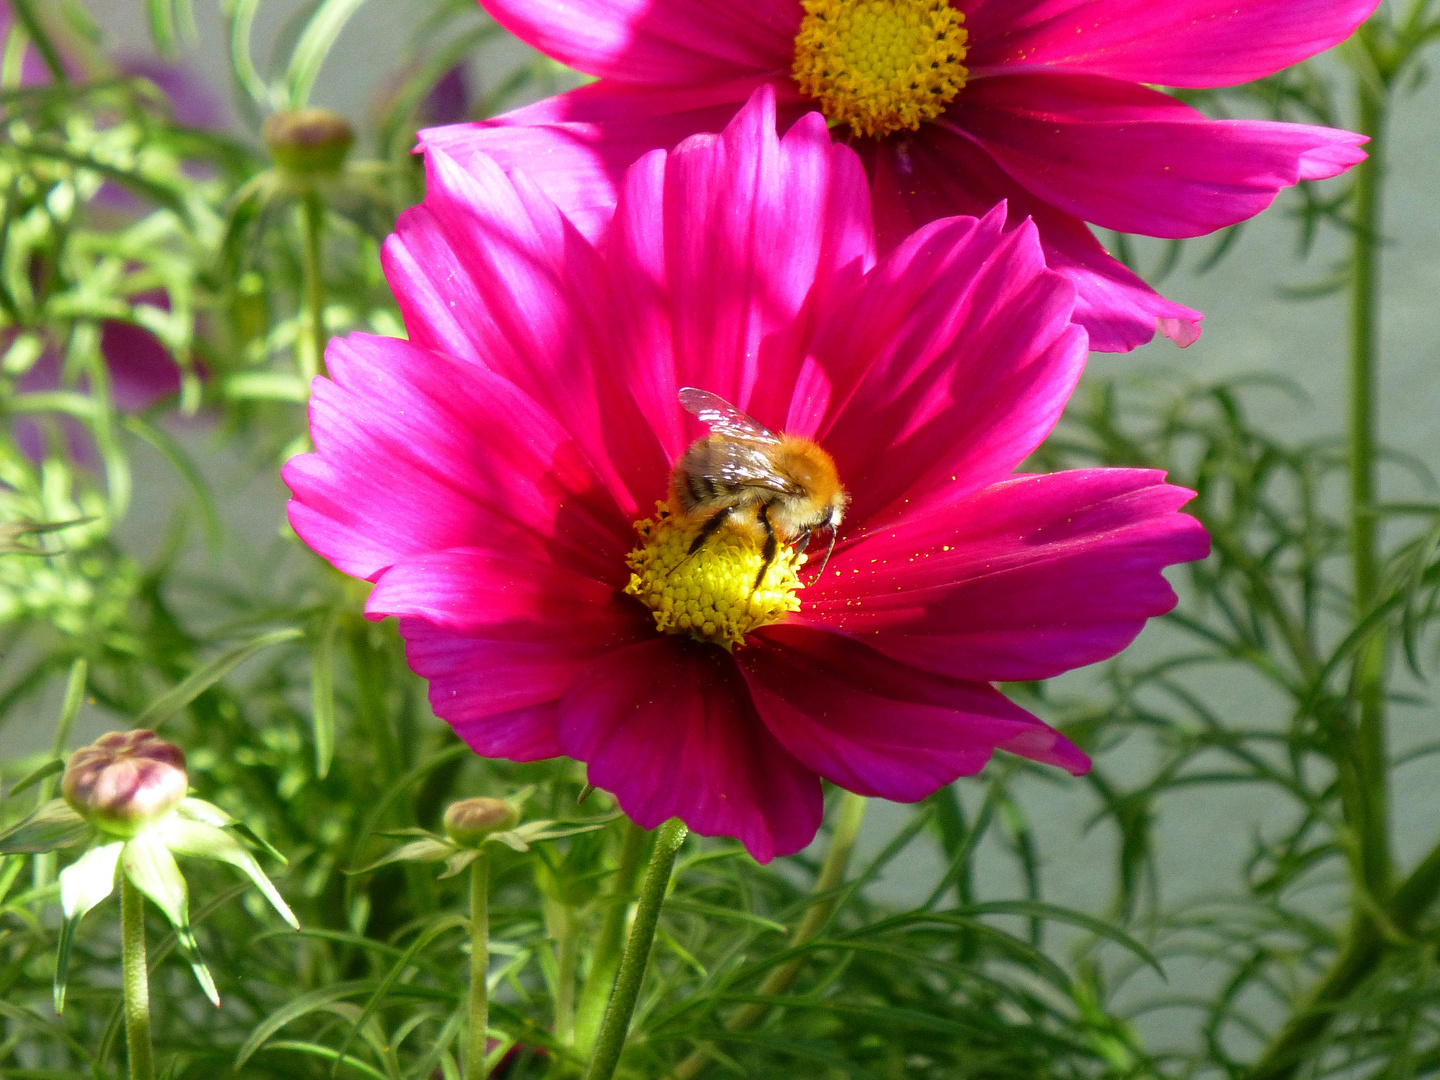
711,595
880,65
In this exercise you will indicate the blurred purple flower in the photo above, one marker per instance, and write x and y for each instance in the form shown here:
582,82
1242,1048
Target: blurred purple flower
32,67
449,100
142,371
193,102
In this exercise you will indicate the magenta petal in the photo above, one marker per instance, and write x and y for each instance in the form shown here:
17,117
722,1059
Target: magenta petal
1130,158
1166,42
881,728
505,596
576,146
668,727
754,230
673,42
1118,310
501,697
417,452
1334,150
488,270
501,637
954,360
1023,580
942,172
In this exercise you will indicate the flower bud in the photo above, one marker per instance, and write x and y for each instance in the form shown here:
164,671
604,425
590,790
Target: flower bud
308,142
125,780
471,820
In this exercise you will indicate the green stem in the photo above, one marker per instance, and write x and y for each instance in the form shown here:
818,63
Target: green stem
616,1025
135,981
1359,957
479,1001
1369,814
567,952
781,978
312,345
605,958
40,38
1362,757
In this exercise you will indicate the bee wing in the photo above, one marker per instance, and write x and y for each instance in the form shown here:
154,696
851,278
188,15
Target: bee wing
724,418
742,464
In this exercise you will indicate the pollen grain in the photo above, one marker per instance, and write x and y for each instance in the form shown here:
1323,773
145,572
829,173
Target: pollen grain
880,65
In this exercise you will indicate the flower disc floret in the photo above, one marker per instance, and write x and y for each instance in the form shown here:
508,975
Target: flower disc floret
880,65
711,595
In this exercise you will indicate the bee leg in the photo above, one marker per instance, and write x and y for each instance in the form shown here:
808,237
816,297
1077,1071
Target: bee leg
767,554
709,529
801,542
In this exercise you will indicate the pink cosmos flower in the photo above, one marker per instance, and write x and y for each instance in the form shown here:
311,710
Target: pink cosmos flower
487,473
1039,103
142,371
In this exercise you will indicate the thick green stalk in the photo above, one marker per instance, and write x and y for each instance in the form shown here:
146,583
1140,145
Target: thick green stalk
605,958
616,1024
1370,813
781,978
311,347
135,981
479,1000
567,950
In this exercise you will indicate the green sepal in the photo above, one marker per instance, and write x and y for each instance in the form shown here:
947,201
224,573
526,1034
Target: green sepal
198,839
205,812
510,839
459,861
151,868
83,884
418,851
49,828
208,813
522,836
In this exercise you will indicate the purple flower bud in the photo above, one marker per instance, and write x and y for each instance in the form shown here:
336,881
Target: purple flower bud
125,780
471,820
308,142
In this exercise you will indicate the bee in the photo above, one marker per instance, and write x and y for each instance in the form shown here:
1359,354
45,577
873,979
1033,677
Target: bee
745,476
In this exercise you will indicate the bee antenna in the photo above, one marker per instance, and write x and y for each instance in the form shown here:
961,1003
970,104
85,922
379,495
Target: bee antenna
828,550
